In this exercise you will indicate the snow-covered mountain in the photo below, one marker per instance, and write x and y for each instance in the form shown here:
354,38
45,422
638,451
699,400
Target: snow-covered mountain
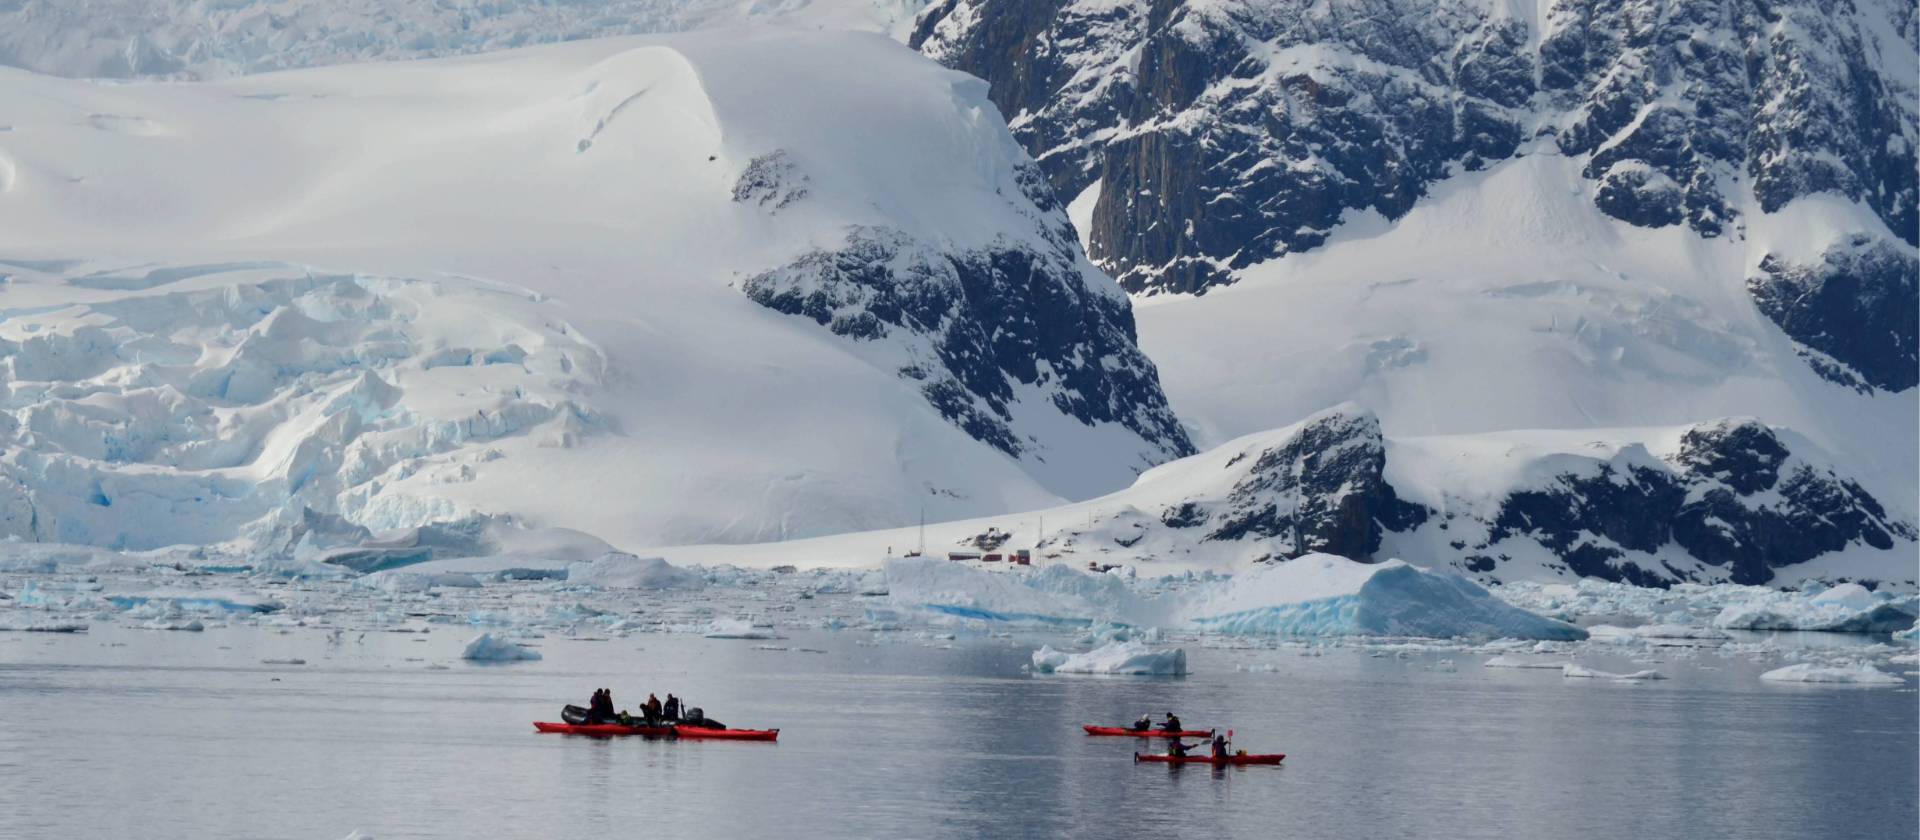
1223,133
1624,289
1727,501
1478,219
205,39
697,288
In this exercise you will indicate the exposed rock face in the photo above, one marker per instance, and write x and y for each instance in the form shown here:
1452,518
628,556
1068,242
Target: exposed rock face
1321,491
980,330
1732,497
771,181
1229,132
1855,315
1731,503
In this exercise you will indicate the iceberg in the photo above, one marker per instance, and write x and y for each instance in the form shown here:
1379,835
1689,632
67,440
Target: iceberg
1129,657
1314,595
734,628
487,647
625,571
1846,608
1325,595
396,582
1809,673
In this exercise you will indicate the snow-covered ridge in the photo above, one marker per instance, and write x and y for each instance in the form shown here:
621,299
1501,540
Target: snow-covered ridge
1731,500
1223,133
282,311
179,39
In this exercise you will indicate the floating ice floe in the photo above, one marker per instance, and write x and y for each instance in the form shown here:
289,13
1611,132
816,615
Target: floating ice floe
1846,608
625,571
487,647
1806,672
1315,595
734,628
1129,658
1572,671
1519,662
1657,634
197,601
24,625
394,581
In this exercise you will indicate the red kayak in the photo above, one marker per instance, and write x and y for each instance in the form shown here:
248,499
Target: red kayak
727,734
1150,733
1206,759
615,729
603,729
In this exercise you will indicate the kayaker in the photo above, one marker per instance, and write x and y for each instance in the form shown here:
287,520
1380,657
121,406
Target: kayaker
1172,724
672,710
1177,748
1143,724
1219,746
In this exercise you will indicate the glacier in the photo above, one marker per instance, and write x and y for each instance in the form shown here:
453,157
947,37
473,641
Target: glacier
1316,595
278,316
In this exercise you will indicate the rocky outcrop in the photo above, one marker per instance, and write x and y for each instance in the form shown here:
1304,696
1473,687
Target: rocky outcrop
1227,133
1729,501
1732,497
1321,491
979,330
1855,315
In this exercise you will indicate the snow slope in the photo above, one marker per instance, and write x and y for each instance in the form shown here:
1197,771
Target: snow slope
1505,301
284,311
1655,506
200,39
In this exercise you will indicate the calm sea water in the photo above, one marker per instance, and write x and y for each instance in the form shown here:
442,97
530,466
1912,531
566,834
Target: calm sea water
126,733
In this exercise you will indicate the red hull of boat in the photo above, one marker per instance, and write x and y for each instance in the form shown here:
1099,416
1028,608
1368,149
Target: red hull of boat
1203,759
1151,733
615,729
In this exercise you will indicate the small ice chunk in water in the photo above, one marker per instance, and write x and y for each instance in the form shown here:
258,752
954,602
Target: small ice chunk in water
1128,657
1521,662
734,628
487,647
1573,671
1807,672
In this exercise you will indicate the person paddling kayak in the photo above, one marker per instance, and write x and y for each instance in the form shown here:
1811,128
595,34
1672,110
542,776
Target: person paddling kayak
1143,724
1177,748
1219,747
1172,724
